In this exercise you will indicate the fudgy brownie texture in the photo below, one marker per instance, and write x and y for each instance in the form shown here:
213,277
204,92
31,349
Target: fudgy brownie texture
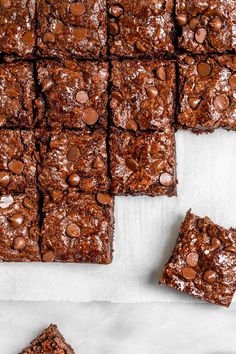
138,28
203,263
17,95
143,162
143,94
206,26
78,227
17,22
50,341
74,160
207,93
75,93
19,227
17,161
70,28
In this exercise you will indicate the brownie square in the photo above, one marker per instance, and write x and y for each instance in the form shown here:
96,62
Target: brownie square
143,162
74,160
143,94
17,161
70,28
140,28
17,21
19,227
75,94
50,341
17,94
203,263
207,93
78,227
206,26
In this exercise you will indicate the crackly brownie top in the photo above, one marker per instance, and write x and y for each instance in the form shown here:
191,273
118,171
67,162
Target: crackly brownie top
140,27
206,26
78,227
203,263
207,92
70,28
75,94
142,94
143,163
17,93
17,22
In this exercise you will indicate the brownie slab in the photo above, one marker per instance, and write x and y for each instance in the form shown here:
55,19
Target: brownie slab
78,227
140,28
74,160
17,161
206,26
143,162
203,263
17,94
207,93
70,28
142,94
50,341
19,227
75,94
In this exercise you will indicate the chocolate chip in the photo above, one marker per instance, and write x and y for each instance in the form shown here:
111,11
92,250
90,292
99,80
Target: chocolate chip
16,219
29,38
104,198
215,244
161,73
203,69
77,9
28,203
181,19
189,273
12,92
221,102
215,24
131,164
210,276
166,179
82,97
73,179
200,224
6,3
117,95
58,27
113,28
98,163
132,125
231,249
4,179
152,92
192,259
16,166
193,23
73,153
80,33
48,37
19,243
194,102
200,35
141,47
73,230
232,80
48,256
116,11
90,116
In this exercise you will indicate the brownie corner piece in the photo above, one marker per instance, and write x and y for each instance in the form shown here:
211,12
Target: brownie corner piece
203,262
51,340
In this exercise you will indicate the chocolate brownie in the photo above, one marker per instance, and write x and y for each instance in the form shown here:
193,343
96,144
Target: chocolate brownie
70,28
143,162
207,93
142,94
19,227
140,28
74,160
17,22
203,263
50,341
75,93
17,161
78,227
206,26
17,95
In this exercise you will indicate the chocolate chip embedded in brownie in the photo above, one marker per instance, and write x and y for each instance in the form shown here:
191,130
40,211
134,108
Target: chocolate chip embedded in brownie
17,94
206,26
143,162
142,94
75,94
207,93
70,28
78,227
203,263
50,341
138,28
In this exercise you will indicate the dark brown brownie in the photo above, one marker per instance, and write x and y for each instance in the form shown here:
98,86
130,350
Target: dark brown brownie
143,162
143,94
206,26
71,28
203,263
17,94
75,94
50,341
17,22
138,28
207,93
19,227
75,159
17,161
78,227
